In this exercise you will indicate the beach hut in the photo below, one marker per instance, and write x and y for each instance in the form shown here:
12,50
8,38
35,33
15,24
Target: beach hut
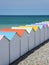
36,35
30,35
48,30
14,45
24,43
31,39
42,32
4,50
40,28
47,27
14,48
45,31
42,35
45,24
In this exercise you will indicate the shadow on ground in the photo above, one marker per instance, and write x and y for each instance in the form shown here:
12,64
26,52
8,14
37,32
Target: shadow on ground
28,53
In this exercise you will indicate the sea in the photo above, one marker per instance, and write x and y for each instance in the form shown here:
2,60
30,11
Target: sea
7,21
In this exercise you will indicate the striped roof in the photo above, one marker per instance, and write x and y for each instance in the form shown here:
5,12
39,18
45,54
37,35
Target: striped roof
20,32
25,27
35,27
28,29
8,35
39,25
43,24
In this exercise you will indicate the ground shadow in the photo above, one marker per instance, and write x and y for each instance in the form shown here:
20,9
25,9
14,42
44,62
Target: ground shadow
28,53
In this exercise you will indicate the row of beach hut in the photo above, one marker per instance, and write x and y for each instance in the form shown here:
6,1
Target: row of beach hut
16,41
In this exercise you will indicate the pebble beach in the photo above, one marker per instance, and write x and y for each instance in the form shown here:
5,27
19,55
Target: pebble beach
39,57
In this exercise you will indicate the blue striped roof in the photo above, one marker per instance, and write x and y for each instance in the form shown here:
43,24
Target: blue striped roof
8,35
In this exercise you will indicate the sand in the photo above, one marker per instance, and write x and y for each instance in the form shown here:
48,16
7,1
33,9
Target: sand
39,57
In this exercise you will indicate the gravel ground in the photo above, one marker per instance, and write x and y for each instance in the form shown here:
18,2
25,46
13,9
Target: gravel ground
39,57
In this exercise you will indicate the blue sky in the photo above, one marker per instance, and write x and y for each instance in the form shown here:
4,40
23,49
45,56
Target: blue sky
24,7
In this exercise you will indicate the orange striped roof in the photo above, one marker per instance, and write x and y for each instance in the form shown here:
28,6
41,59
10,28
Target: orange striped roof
20,32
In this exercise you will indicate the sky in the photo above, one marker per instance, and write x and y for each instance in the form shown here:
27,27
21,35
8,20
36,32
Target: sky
24,7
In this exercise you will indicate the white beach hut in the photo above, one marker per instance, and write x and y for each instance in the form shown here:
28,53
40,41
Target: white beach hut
24,43
45,31
14,43
36,35
22,33
14,48
31,39
48,30
42,35
4,50
42,32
